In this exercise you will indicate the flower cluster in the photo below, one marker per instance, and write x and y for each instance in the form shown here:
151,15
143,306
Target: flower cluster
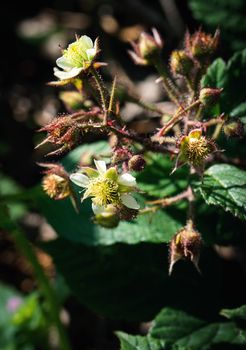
182,132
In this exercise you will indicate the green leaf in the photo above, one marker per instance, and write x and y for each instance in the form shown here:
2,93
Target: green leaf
225,185
156,181
184,330
228,16
131,281
9,187
231,77
238,313
172,324
130,342
157,227
93,150
178,330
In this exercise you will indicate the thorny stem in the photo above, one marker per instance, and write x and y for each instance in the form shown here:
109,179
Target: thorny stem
211,122
167,82
146,142
112,96
216,131
191,201
176,118
147,105
103,93
189,86
164,202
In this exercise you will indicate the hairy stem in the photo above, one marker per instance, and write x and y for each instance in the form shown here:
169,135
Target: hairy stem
102,91
167,82
176,118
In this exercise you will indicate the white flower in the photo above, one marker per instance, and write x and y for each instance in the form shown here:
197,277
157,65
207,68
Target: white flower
106,187
76,58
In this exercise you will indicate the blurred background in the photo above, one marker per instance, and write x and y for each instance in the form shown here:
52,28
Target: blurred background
32,34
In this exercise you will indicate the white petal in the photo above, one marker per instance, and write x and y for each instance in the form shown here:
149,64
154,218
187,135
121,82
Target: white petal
129,201
127,180
80,179
86,42
91,54
97,209
101,166
67,75
63,63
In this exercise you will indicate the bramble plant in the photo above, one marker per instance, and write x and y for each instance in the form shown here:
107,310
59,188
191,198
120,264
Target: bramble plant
145,187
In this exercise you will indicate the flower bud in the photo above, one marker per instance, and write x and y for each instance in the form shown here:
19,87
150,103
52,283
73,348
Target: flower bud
147,49
63,131
209,96
108,218
55,186
201,45
186,244
181,63
136,163
233,127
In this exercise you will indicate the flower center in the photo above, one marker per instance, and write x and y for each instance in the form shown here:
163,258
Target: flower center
76,54
104,191
197,150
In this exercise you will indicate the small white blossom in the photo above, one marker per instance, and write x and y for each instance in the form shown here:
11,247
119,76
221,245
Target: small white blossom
106,187
76,58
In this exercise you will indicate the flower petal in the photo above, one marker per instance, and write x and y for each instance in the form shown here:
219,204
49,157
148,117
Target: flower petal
97,209
129,201
63,63
67,75
127,180
86,42
91,54
80,179
101,166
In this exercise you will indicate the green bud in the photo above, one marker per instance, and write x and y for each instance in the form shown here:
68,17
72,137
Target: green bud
136,163
209,96
181,63
233,127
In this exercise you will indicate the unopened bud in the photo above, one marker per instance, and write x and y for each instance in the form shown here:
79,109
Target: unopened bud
55,186
209,97
136,163
202,45
233,127
147,49
186,244
148,46
181,63
108,218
